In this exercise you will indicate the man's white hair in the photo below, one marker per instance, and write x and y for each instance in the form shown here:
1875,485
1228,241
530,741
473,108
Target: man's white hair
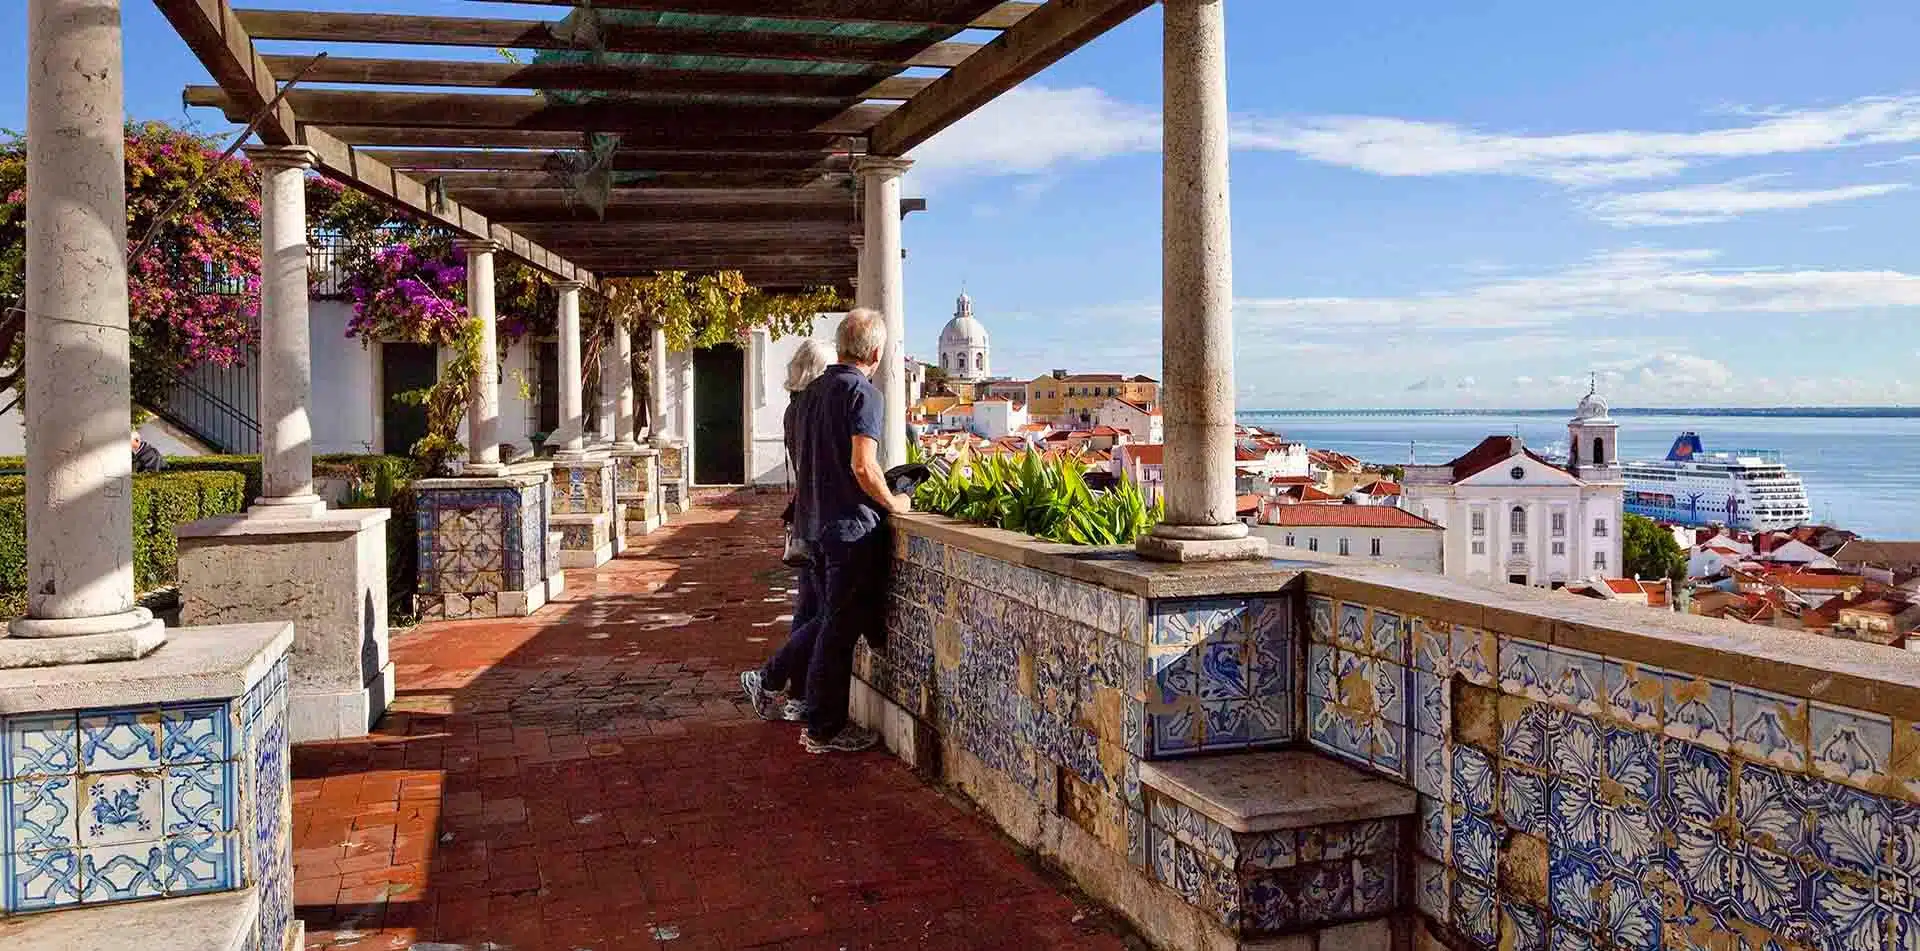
862,335
808,362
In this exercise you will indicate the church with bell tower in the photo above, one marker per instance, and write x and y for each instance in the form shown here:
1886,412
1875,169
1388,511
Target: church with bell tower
1593,440
964,352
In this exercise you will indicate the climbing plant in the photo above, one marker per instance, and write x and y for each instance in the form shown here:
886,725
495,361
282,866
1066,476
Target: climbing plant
704,310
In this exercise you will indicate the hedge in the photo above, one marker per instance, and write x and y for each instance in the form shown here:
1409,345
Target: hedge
162,502
333,465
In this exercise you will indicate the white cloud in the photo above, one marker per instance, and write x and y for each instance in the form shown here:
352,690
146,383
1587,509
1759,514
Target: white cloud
1675,371
1893,162
1033,129
1700,204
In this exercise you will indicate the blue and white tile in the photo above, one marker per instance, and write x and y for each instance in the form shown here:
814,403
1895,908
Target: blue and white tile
1166,860
1197,621
1326,891
201,862
1576,680
118,808
40,880
1850,746
1388,636
42,813
1475,655
1474,849
1578,823
1270,905
1526,801
1636,693
1850,911
1698,782
1432,766
1270,665
1392,744
1223,670
1633,759
1270,620
1320,619
1770,727
1136,823
1433,647
1522,927
1699,710
1524,668
1473,780
1473,911
1433,829
1390,687
1568,938
1270,718
1353,632
1376,884
1267,851
1852,828
1174,674
1176,731
198,798
1701,862
119,739
1524,735
1636,835
1227,724
1771,808
1432,705
1321,673
1573,888
1767,886
1578,752
1187,873
42,746
1631,917
1432,886
123,871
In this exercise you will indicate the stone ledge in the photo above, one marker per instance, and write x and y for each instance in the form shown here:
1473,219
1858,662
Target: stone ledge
330,522
1287,789
196,663
218,922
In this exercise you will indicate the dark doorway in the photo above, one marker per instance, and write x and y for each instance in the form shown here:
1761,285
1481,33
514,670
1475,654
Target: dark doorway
549,387
404,367
1517,579
719,434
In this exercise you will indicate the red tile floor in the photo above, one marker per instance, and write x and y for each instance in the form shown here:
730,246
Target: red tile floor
589,779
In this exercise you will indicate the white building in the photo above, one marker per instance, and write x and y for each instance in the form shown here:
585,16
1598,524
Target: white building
1143,421
1141,464
995,418
963,345
1511,515
1373,532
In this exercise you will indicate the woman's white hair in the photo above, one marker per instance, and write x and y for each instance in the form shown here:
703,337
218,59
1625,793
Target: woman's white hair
808,362
862,335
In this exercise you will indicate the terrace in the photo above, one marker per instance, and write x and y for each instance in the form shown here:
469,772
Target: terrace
1218,750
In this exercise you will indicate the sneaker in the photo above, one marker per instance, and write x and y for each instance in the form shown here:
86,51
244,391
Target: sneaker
794,712
850,739
765,704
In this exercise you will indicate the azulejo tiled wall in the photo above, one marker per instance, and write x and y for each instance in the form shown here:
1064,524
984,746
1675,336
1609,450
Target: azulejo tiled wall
632,473
1063,687
1572,800
122,804
583,488
673,464
476,542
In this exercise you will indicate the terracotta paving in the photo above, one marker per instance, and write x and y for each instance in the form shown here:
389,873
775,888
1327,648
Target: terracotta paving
588,779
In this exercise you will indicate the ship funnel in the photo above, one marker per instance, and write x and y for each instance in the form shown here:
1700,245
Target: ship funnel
1686,447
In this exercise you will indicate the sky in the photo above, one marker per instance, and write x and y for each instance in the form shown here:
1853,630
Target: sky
1434,205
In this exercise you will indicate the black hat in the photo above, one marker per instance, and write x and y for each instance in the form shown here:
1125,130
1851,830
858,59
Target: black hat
903,480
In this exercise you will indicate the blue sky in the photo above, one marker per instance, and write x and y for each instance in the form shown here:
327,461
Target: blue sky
1707,202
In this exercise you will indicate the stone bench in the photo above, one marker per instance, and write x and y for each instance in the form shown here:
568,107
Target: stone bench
1284,843
220,922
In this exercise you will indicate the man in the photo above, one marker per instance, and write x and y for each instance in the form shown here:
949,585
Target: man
146,458
840,500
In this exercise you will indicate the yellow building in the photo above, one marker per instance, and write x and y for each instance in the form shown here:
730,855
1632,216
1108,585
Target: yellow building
1074,399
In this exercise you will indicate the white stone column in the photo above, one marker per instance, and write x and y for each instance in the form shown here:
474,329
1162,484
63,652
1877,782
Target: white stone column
657,387
483,410
863,282
883,288
622,382
80,598
572,410
1197,296
286,352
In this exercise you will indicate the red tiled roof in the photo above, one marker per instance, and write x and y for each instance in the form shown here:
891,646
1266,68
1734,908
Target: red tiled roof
1624,586
1307,493
1382,487
1105,431
1147,454
1491,452
1344,516
1247,505
1290,480
1247,455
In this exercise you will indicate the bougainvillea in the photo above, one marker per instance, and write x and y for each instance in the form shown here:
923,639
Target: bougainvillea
193,295
413,291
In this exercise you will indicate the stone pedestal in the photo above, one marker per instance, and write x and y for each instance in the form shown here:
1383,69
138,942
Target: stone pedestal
484,544
151,781
674,479
328,575
556,574
584,508
636,484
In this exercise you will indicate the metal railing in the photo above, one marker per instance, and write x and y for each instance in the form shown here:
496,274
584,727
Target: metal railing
218,406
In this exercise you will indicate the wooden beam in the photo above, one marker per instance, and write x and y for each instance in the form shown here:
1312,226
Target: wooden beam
464,180
543,113
833,249
1000,16
673,232
222,44
1038,41
412,30
667,204
665,260
665,139
502,160
629,80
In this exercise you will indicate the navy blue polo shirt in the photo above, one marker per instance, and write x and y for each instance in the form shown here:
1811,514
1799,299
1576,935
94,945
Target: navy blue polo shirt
828,503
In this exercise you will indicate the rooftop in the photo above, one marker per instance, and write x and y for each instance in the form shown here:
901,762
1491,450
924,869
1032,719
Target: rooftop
1344,516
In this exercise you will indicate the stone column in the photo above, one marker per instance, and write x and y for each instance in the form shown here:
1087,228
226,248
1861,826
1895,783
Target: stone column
883,289
483,411
657,387
624,431
286,372
1197,297
80,598
572,411
863,282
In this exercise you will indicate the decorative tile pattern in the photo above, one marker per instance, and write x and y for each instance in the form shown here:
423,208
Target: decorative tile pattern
125,804
476,542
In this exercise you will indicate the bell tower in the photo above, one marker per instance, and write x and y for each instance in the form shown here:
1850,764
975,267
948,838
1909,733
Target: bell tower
1593,439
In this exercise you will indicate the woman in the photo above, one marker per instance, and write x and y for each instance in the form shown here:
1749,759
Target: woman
807,364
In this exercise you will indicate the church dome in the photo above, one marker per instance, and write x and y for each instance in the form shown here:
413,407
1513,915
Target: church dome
963,331
1593,406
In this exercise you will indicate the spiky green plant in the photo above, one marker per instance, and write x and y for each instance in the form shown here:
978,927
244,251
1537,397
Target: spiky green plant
1047,499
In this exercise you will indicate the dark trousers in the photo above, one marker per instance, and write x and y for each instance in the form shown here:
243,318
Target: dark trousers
819,653
777,676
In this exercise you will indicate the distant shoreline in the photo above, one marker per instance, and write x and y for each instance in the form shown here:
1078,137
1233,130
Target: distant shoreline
1805,412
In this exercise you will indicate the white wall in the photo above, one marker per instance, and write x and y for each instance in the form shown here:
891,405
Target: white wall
346,382
767,398
1416,549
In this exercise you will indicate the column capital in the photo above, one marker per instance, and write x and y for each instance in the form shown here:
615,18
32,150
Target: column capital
568,285
477,245
281,156
881,166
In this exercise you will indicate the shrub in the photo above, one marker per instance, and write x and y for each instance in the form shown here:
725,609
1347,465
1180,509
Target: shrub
1048,499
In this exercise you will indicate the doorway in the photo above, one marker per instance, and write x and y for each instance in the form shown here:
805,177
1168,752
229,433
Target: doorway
404,367
1517,579
719,417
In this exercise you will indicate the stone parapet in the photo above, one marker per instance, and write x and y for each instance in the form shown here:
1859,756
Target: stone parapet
151,781
674,479
483,544
586,541
328,575
584,486
637,486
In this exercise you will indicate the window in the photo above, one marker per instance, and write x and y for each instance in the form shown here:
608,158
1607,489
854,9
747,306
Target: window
1599,451
1479,523
943,361
1600,528
1517,521
1313,544
1599,561
1479,548
1375,546
1343,547
1559,548
1517,473
1519,547
979,361
1559,524
1290,540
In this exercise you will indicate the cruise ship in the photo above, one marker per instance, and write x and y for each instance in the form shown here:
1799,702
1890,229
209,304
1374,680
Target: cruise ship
1747,489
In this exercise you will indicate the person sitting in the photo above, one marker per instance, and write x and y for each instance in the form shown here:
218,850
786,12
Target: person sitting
146,457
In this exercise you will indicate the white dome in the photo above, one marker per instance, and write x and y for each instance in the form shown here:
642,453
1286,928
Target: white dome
1592,406
963,330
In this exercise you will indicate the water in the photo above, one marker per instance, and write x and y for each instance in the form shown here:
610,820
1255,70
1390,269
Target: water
1862,473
